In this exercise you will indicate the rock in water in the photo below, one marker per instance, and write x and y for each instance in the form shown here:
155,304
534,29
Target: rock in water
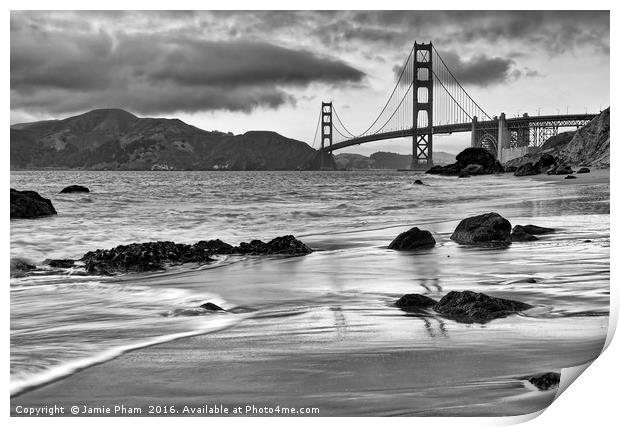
29,204
570,177
212,307
412,239
473,169
535,229
477,156
413,301
418,182
520,235
489,228
545,381
75,189
560,169
285,245
60,263
584,170
477,307
527,169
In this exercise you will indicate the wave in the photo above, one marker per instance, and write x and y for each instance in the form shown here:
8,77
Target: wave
55,373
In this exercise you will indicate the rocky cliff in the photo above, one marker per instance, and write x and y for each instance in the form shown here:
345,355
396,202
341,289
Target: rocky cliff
114,139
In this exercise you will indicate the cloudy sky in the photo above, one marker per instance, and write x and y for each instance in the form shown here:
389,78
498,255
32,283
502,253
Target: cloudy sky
238,71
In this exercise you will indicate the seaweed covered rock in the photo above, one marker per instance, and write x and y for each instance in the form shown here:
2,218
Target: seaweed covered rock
29,204
412,239
489,228
285,245
471,306
75,189
414,301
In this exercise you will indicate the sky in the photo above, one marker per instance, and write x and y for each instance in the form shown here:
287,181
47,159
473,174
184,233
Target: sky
270,70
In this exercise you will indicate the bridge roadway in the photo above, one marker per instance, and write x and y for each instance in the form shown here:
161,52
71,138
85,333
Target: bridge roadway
565,120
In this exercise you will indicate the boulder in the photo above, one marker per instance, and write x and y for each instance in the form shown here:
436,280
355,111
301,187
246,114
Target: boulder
583,170
415,301
75,189
520,235
489,228
211,307
412,239
545,381
545,162
29,204
527,169
570,177
418,182
560,169
471,306
535,229
477,156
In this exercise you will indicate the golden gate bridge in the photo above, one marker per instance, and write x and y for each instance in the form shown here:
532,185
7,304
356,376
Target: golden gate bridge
428,100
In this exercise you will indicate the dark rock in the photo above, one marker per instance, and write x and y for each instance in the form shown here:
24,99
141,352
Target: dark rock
520,235
545,162
286,245
29,204
60,263
418,182
463,174
587,241
413,301
498,168
583,170
448,170
477,156
473,169
527,169
477,307
212,307
412,239
570,177
545,381
489,228
214,247
511,169
75,189
535,229
560,169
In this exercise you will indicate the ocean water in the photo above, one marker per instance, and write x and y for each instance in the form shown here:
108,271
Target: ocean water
332,304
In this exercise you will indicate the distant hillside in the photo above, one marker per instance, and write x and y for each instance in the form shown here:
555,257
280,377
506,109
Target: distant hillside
588,146
114,139
385,160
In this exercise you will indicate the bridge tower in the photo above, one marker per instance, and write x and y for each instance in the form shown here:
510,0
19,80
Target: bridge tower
422,158
326,129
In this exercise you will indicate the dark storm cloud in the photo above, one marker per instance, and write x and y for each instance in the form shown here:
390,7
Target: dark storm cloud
479,70
65,71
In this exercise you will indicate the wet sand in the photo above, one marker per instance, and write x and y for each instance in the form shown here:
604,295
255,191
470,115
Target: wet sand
596,176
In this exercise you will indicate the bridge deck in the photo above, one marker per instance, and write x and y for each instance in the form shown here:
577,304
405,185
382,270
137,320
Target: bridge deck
565,120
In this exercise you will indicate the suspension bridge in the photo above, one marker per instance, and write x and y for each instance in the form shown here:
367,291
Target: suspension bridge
428,100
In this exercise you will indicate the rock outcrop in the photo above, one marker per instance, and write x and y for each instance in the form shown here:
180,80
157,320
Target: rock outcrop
547,381
75,189
152,256
489,228
29,204
471,306
413,239
479,160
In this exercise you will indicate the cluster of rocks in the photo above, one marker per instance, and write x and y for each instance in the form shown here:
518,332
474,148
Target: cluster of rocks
486,229
465,306
152,256
471,161
546,163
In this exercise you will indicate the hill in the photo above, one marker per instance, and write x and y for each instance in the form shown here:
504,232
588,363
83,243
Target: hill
114,139
385,160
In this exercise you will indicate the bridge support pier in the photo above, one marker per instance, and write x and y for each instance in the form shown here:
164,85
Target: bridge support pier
422,158
503,137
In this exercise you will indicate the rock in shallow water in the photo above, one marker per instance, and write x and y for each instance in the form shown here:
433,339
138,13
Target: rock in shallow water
477,307
412,239
413,301
212,307
152,256
489,228
29,204
535,229
75,189
60,263
520,235
545,381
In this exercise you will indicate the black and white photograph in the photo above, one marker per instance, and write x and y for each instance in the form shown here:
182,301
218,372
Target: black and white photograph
306,213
